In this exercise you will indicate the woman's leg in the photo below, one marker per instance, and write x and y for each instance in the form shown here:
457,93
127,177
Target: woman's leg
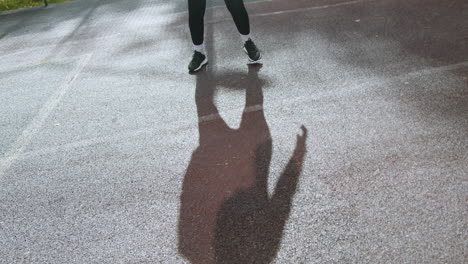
240,16
196,22
196,25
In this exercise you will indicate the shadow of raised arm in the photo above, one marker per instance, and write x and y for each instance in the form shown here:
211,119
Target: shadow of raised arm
281,200
250,225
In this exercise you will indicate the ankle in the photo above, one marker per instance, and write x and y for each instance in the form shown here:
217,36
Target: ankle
246,38
200,48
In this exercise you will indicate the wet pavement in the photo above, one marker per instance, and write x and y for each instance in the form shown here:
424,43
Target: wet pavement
349,145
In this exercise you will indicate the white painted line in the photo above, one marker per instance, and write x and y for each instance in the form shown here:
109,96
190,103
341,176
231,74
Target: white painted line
42,62
157,27
433,70
298,10
38,121
311,8
188,123
207,118
222,6
212,117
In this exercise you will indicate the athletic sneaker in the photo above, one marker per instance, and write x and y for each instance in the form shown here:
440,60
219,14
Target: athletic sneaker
198,60
251,50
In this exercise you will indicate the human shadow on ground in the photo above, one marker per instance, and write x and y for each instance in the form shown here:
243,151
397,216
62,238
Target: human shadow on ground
226,213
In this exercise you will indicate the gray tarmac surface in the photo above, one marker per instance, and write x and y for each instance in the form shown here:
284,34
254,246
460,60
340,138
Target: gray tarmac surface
112,153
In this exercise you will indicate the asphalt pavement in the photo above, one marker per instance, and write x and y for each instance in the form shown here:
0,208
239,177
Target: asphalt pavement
349,144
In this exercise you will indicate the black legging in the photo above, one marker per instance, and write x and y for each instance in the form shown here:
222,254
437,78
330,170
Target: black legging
197,12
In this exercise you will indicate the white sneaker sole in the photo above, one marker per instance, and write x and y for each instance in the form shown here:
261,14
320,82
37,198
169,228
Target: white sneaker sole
259,61
204,62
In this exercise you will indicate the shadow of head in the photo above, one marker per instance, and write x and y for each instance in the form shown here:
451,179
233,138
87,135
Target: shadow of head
226,214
